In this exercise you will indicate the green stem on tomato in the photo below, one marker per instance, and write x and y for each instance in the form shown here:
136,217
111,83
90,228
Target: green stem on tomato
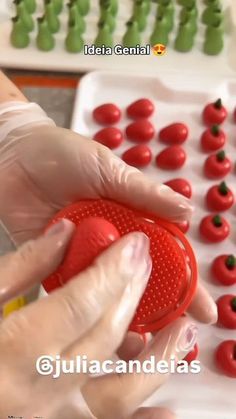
130,23
230,262
101,23
218,104
233,304
217,221
223,188
190,7
215,130
220,156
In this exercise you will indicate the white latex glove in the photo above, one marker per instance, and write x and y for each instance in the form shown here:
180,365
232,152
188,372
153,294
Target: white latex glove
46,168
88,316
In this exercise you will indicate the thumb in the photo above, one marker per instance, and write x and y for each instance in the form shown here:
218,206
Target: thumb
33,261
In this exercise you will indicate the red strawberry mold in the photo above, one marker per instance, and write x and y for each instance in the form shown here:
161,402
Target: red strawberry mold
173,279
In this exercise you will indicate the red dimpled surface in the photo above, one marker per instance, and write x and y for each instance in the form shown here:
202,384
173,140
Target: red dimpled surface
170,288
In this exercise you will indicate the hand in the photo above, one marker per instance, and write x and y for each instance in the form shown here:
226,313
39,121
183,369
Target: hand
46,168
88,316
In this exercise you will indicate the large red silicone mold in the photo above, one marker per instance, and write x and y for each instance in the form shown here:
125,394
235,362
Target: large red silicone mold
173,279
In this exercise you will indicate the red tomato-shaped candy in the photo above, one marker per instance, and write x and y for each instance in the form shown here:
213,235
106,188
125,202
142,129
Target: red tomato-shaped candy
171,158
213,139
184,226
192,355
214,228
225,357
223,269
214,113
181,186
176,133
142,108
111,137
140,131
217,166
219,198
138,156
227,311
91,237
107,114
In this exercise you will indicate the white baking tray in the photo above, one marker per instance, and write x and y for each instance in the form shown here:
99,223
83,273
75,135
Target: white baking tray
195,62
208,395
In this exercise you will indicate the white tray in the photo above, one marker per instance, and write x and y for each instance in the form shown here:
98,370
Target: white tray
208,395
194,62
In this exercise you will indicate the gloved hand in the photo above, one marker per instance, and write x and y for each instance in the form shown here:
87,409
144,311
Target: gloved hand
88,316
46,168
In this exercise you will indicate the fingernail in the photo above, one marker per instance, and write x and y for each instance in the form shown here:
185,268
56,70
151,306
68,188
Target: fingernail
168,192
62,226
212,312
183,203
188,338
137,257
